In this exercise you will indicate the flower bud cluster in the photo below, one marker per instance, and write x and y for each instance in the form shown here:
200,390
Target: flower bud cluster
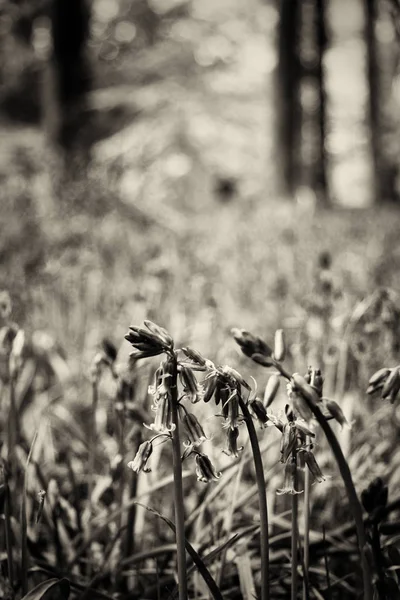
387,382
149,340
171,375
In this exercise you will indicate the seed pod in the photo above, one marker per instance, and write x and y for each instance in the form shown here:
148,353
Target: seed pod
279,346
271,390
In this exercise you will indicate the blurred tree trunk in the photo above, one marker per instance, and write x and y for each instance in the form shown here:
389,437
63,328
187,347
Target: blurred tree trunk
69,77
321,38
287,98
384,167
373,93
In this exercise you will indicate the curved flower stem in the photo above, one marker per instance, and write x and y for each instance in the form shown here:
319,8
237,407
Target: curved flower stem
178,489
262,499
354,502
351,495
295,530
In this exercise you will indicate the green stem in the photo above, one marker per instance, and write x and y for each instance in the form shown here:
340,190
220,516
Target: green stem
295,530
7,528
351,495
12,430
328,578
130,523
24,525
262,499
345,473
306,537
92,461
379,561
178,489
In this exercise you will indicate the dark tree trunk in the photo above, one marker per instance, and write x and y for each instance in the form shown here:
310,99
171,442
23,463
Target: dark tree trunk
287,100
321,39
70,70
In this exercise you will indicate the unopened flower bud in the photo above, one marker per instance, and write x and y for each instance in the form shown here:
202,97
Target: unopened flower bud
110,351
236,376
205,470
41,498
313,465
271,390
209,387
232,446
194,356
142,456
160,332
194,431
279,346
298,402
261,359
289,486
148,342
379,378
304,388
392,385
5,305
258,409
190,385
337,413
250,344
375,497
288,441
317,381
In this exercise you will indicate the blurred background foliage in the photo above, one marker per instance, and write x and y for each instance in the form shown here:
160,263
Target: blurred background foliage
185,147
192,160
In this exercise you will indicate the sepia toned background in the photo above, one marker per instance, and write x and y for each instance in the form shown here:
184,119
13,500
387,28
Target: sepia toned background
206,165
